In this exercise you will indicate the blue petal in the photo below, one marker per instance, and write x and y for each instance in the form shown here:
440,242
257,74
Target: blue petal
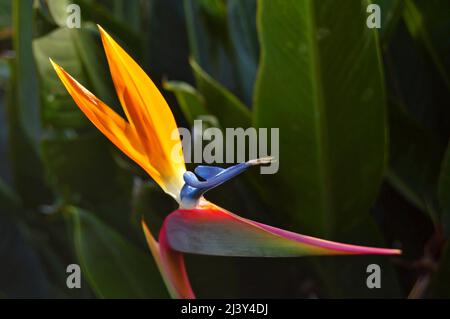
206,172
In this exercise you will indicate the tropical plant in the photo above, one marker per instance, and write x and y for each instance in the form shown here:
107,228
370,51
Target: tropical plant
364,130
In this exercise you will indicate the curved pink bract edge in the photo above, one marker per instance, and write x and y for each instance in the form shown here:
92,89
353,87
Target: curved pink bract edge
347,249
171,265
207,212
173,262
170,260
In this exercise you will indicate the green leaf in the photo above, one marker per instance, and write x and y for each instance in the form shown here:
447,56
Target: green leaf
58,109
128,12
210,43
414,161
166,44
391,12
58,11
9,200
26,167
81,171
94,12
419,121
320,82
125,13
113,267
5,14
26,89
415,85
25,80
220,102
428,22
242,29
23,111
444,190
23,273
189,99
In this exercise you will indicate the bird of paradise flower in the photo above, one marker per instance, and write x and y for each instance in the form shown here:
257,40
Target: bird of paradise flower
197,226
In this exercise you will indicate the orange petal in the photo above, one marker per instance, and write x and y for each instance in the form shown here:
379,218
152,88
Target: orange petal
170,264
149,114
112,125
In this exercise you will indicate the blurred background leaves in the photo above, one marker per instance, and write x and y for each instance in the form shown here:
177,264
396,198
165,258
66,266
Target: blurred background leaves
364,122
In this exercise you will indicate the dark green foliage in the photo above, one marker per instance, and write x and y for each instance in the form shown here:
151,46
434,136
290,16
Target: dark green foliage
364,123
